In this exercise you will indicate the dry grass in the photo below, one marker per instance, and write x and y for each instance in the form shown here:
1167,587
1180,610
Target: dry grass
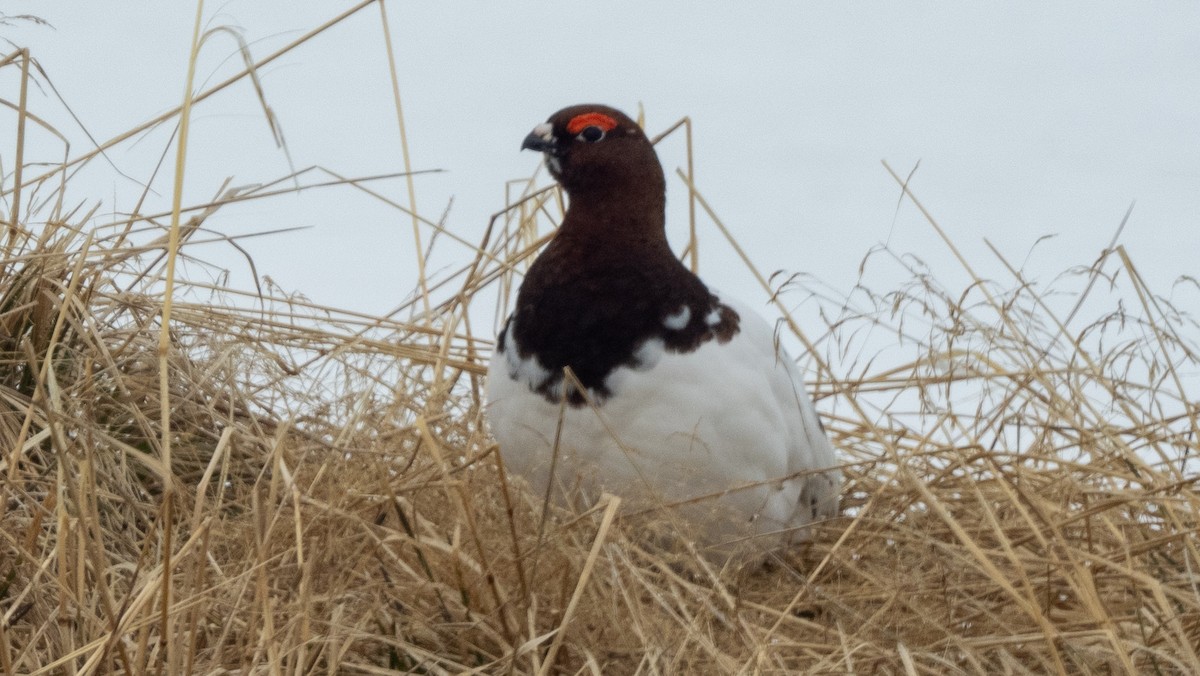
1021,494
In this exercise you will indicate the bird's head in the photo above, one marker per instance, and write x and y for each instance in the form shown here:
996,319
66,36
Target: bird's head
592,148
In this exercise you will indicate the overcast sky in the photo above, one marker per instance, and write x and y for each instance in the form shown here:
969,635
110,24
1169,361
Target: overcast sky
1027,119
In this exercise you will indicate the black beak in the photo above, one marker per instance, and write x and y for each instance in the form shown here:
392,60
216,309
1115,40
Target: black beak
541,139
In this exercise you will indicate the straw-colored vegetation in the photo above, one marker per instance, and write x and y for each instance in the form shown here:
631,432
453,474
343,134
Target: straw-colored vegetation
1021,492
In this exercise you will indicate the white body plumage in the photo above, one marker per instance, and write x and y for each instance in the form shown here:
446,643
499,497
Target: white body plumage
725,436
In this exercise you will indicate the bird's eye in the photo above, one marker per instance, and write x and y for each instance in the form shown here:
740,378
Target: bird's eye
591,127
591,134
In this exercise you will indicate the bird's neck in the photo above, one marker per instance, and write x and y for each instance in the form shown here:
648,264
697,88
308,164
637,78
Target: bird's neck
629,221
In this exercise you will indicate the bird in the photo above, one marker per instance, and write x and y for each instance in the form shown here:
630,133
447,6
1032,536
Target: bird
619,371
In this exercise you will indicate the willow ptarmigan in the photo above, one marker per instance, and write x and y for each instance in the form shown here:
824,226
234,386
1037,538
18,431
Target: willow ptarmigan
687,403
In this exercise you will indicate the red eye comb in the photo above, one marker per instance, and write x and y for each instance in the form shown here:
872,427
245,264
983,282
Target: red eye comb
581,122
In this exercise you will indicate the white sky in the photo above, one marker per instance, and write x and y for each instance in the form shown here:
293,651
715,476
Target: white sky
1027,119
